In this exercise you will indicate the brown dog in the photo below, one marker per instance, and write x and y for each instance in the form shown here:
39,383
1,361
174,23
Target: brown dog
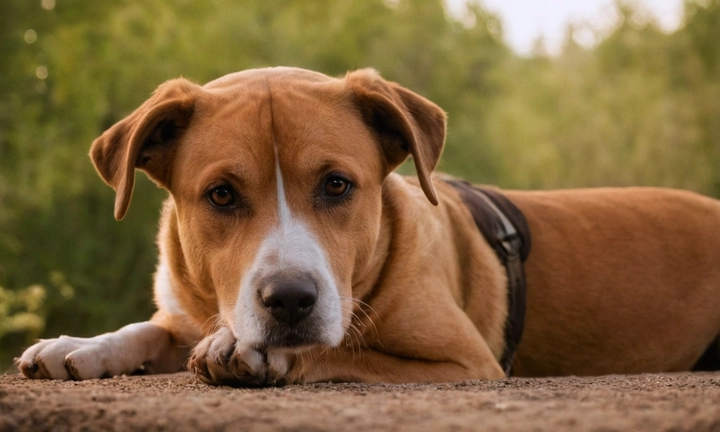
290,252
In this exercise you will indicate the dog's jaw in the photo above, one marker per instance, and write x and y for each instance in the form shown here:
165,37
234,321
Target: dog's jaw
290,249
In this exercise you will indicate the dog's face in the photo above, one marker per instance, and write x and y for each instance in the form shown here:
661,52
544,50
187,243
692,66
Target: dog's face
277,177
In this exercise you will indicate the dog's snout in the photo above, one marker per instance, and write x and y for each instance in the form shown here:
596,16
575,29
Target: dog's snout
289,300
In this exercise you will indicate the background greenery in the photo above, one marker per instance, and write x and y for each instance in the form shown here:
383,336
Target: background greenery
641,108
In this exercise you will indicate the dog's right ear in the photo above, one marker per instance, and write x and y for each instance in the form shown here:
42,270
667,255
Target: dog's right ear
145,139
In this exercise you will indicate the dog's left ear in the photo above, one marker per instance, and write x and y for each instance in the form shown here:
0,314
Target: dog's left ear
145,140
404,122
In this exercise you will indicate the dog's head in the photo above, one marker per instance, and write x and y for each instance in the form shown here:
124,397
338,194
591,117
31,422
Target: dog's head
277,177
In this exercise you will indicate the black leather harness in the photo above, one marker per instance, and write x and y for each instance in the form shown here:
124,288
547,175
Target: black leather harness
505,228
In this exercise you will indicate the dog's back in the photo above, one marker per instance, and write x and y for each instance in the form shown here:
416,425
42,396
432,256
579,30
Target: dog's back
619,280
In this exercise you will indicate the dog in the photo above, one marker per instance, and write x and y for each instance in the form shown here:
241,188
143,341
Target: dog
290,251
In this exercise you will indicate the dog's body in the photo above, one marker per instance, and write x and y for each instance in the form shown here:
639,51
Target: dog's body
290,252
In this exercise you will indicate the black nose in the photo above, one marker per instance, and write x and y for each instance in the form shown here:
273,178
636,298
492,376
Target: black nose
289,300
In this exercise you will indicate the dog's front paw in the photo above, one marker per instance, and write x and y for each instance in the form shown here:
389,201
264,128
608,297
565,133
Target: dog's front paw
65,358
221,359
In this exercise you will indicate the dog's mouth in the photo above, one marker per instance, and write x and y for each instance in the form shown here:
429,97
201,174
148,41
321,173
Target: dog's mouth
297,338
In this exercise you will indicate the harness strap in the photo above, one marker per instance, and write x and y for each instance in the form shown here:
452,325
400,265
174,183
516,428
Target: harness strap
505,228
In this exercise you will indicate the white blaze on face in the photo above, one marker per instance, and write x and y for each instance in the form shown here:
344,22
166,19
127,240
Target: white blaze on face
290,248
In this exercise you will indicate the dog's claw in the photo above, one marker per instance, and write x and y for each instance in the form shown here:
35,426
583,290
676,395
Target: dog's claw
28,369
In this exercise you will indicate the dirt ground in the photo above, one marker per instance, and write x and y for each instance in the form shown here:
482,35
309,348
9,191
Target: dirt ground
667,402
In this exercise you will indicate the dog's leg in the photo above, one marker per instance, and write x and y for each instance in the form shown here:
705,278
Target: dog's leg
375,366
144,345
401,349
372,365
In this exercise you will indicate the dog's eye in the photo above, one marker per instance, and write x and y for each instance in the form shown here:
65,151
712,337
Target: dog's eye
336,187
222,196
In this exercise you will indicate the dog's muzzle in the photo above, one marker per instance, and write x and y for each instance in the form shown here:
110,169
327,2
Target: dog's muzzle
290,310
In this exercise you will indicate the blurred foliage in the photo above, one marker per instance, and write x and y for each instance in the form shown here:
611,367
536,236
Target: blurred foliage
641,108
20,310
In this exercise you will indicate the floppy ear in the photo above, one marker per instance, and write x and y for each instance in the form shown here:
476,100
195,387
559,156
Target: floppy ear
404,122
145,139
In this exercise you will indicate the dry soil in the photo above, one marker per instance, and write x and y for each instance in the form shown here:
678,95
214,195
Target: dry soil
666,402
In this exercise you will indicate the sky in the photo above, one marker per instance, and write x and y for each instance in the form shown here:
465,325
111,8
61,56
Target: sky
525,20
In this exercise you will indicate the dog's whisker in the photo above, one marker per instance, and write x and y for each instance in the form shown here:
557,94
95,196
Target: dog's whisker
354,324
356,336
215,325
362,306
